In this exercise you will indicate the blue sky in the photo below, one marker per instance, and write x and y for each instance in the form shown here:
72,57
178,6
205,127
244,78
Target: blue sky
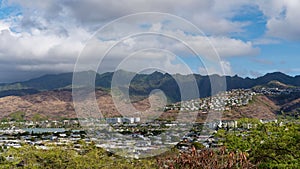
252,37
6,10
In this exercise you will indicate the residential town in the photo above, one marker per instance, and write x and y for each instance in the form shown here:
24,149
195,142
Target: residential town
126,136
220,102
277,91
129,133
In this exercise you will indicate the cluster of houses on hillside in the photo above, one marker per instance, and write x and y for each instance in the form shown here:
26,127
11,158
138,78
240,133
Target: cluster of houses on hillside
220,102
277,91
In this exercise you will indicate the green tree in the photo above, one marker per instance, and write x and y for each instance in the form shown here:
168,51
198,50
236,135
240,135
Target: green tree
268,145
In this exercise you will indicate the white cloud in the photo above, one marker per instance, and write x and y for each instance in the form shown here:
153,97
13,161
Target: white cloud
45,50
3,26
50,34
229,47
226,47
283,18
40,51
154,59
225,69
206,14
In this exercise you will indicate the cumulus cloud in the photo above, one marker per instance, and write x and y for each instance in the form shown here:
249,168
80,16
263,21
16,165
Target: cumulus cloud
3,26
225,69
38,52
176,42
46,50
206,14
283,18
48,35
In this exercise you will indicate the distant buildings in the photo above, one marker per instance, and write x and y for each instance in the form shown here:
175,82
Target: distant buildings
276,91
221,102
129,120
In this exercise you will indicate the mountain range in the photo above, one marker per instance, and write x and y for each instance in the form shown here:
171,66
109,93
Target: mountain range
143,84
50,96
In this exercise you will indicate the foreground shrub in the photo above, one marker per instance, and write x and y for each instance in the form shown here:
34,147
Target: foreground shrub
206,158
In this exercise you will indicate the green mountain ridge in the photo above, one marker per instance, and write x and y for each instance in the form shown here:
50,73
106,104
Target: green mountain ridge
143,84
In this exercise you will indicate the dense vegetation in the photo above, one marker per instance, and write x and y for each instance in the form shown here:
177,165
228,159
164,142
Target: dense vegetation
270,145
58,157
92,157
251,145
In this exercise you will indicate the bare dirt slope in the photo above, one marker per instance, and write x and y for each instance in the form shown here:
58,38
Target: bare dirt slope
52,104
260,107
58,105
